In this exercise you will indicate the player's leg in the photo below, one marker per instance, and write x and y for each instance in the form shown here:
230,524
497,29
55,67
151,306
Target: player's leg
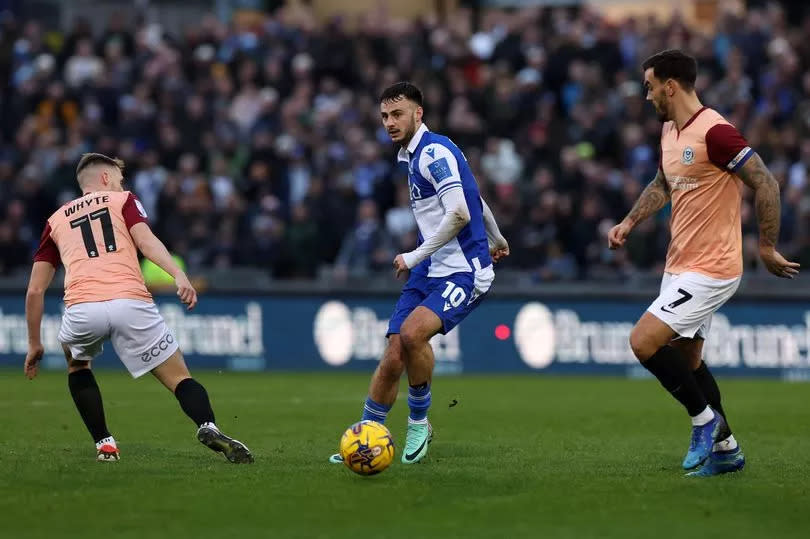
417,330
191,395
84,329
87,398
726,455
194,401
692,350
683,308
144,343
650,340
449,301
384,386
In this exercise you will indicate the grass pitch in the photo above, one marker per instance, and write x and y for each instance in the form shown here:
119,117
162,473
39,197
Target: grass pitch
516,457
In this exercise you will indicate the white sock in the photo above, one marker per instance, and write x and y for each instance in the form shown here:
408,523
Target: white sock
209,425
108,440
729,444
417,421
703,417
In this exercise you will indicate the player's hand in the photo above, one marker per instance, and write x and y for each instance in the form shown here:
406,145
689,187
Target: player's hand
618,235
185,291
400,267
498,249
777,264
32,359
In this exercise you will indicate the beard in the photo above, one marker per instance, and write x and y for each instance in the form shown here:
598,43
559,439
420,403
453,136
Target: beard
409,132
662,113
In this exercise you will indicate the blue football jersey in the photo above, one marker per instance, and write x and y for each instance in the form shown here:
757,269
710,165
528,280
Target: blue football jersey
435,167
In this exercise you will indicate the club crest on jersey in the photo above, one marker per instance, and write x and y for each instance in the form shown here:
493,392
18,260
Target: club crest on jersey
688,156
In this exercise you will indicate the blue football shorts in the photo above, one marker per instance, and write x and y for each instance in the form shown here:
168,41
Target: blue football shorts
452,298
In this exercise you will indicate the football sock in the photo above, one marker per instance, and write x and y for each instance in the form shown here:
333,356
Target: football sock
708,385
703,417
108,440
194,401
669,366
729,444
419,401
87,397
374,411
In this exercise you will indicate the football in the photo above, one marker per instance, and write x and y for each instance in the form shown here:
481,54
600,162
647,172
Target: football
367,448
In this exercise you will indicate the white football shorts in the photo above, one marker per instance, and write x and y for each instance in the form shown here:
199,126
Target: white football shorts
688,301
138,333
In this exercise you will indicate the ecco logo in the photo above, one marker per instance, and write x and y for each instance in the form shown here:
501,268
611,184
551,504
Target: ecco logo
155,351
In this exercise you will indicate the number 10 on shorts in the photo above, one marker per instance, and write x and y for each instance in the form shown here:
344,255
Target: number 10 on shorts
454,295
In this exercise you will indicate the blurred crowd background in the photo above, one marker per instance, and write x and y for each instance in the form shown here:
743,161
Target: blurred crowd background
257,142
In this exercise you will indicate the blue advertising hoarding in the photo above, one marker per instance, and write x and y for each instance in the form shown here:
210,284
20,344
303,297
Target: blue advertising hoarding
503,335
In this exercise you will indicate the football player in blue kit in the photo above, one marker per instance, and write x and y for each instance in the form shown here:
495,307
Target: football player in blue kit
450,271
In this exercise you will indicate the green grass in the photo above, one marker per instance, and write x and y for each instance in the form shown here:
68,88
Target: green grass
517,457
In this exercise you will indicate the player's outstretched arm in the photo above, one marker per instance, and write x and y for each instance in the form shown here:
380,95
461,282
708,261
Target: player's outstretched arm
456,217
153,249
756,175
654,197
41,277
498,246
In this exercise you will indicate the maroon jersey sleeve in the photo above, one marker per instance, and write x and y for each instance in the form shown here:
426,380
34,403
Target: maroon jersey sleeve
727,148
47,250
133,211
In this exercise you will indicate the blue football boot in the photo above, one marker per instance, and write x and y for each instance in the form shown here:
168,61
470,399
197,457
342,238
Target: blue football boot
703,439
720,462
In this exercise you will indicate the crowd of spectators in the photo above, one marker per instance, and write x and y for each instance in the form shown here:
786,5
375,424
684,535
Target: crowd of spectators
257,142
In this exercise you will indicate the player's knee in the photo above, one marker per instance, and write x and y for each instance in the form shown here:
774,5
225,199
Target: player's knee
407,337
412,337
643,347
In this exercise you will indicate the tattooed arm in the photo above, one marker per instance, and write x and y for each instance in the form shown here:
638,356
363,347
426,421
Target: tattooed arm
756,175
654,197
766,198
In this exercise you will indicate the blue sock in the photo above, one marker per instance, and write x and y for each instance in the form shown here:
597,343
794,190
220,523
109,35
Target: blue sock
375,411
419,401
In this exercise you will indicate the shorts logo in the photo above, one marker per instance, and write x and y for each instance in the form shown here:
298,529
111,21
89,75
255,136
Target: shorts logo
155,351
685,296
688,156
